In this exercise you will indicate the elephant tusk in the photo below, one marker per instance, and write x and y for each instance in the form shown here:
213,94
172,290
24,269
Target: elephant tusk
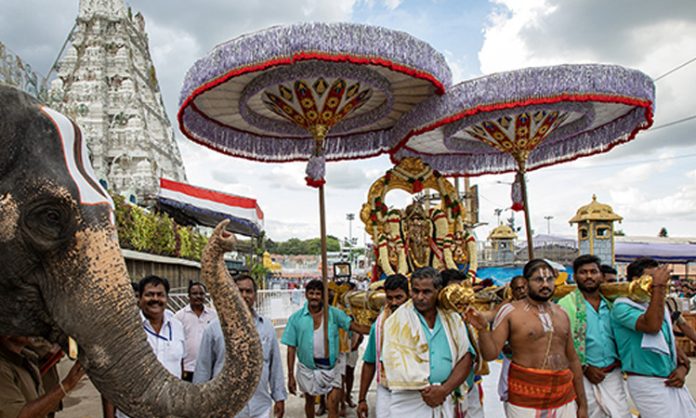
72,348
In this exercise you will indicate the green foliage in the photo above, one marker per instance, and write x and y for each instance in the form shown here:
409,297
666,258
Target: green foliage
155,233
259,273
296,246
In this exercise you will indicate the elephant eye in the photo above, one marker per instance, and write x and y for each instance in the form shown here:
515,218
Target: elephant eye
48,224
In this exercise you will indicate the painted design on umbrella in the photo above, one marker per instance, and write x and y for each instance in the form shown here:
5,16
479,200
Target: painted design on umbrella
236,99
526,119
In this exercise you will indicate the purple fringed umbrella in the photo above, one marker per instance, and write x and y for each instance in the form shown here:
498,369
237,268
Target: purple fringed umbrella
527,119
308,92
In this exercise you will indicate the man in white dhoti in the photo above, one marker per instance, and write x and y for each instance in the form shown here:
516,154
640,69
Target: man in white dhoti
648,353
396,292
426,352
304,335
590,325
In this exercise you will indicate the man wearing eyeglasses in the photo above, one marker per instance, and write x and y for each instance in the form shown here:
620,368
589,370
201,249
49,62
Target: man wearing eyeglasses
545,377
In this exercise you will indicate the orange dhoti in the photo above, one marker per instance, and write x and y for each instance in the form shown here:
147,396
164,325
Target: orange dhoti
535,391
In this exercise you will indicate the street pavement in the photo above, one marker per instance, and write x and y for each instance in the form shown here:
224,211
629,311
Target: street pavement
85,401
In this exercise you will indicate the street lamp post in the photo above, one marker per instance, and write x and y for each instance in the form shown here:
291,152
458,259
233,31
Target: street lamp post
350,217
548,223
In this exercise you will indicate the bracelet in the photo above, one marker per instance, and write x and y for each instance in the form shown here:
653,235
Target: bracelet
65,393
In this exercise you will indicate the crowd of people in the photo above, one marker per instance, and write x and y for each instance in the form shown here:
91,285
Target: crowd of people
584,356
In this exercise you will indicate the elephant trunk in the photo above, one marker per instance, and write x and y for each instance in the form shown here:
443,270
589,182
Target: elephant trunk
90,298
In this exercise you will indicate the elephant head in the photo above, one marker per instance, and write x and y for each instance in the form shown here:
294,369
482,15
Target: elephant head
62,274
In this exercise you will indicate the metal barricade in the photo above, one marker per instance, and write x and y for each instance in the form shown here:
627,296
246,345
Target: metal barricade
277,305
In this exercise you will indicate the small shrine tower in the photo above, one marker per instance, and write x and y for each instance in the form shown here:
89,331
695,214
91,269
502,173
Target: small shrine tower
503,239
106,82
596,230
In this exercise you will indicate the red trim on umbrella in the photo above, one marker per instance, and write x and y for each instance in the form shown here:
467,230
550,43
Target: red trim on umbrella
528,102
305,56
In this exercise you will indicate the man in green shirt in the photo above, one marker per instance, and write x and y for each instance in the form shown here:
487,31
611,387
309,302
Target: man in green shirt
304,336
396,292
426,352
590,324
648,353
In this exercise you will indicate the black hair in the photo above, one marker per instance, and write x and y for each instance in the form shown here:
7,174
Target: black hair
452,275
428,273
136,287
586,259
534,265
396,281
314,284
240,277
516,278
607,269
638,266
196,283
153,281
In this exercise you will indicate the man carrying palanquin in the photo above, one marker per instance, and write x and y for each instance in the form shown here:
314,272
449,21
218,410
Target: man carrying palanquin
545,377
396,292
426,352
590,325
304,336
474,396
649,356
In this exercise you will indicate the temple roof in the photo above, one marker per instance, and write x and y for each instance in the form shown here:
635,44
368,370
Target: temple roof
595,211
502,232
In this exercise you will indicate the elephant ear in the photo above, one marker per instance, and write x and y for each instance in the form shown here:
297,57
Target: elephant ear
17,112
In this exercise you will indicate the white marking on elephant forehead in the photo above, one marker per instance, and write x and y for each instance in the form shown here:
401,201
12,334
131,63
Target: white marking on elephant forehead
9,217
77,161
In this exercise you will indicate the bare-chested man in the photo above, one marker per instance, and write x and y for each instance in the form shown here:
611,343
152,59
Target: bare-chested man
545,375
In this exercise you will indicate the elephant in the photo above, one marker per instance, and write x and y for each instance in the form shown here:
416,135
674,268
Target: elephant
62,274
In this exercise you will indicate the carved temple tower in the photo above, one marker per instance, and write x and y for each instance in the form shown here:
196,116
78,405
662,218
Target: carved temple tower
106,81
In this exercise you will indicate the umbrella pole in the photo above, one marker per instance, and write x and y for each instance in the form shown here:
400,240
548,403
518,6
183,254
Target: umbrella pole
319,133
324,269
527,222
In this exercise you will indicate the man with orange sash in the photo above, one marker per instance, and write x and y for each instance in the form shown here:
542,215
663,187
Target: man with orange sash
545,377
396,291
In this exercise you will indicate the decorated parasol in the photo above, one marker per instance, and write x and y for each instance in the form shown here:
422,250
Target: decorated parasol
527,119
308,92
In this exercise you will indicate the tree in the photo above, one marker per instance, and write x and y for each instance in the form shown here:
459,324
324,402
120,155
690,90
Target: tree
619,233
663,233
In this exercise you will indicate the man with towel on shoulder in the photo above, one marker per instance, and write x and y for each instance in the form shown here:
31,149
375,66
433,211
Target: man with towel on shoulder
649,357
426,352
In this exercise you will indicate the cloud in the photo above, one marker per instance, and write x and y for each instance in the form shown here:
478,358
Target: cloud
288,176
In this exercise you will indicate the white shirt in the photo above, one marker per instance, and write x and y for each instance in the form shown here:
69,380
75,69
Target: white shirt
168,345
194,326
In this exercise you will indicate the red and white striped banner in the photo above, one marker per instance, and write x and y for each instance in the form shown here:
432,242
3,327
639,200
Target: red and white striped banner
237,206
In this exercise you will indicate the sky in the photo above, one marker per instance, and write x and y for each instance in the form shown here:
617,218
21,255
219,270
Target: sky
650,181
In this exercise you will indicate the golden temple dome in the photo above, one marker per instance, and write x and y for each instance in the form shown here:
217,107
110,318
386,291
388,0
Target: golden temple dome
595,211
502,232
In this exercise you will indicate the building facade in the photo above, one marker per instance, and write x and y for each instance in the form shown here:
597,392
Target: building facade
106,81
